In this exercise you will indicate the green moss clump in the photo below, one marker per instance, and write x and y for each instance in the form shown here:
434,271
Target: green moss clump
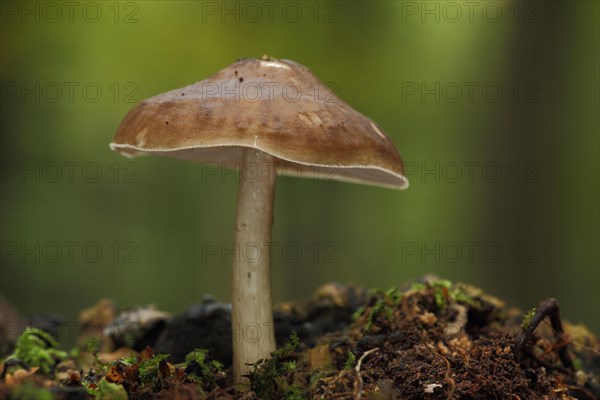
350,361
294,393
386,302
268,378
202,370
441,292
358,313
527,318
108,391
28,391
38,348
445,292
149,369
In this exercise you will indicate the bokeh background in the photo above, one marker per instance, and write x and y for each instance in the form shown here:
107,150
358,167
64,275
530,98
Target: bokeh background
493,105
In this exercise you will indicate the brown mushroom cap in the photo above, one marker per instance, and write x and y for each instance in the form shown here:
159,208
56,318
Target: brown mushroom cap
276,106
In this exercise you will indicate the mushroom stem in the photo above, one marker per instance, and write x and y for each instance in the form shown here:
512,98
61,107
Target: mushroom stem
252,313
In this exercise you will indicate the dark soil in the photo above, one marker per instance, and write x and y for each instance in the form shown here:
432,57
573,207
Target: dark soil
431,340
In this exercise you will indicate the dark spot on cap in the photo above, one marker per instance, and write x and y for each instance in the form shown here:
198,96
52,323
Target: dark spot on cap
241,79
183,94
248,275
167,122
235,72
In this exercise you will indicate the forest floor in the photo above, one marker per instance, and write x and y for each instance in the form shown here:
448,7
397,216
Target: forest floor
429,340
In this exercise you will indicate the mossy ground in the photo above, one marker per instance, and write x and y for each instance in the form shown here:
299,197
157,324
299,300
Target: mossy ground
433,340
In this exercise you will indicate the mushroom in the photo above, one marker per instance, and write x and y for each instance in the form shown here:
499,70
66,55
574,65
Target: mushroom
263,117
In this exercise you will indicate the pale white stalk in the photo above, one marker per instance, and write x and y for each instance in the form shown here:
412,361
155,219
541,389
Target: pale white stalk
252,312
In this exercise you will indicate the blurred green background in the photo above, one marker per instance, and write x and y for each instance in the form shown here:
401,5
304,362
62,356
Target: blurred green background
493,105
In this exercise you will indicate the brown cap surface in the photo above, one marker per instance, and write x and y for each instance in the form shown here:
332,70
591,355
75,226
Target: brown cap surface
276,106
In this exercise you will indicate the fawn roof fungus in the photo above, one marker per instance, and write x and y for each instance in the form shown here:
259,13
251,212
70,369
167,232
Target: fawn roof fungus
276,106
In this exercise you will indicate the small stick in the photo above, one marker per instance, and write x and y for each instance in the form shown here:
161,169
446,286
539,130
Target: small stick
548,308
358,386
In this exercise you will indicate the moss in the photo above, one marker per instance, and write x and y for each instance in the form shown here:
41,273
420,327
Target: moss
445,292
29,391
294,393
358,313
462,297
417,286
109,391
441,293
350,361
92,345
37,348
131,360
287,349
316,377
268,377
527,318
201,369
578,364
149,369
386,303
395,295
290,365
373,313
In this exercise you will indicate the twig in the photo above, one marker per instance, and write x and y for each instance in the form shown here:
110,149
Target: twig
358,384
548,308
